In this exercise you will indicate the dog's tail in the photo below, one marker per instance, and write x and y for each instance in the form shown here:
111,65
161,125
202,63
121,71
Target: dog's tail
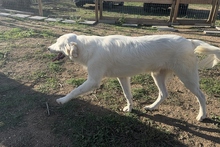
213,53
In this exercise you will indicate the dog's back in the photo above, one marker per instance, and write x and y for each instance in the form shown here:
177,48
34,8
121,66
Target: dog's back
123,55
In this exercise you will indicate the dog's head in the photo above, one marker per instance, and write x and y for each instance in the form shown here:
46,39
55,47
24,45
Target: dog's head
65,44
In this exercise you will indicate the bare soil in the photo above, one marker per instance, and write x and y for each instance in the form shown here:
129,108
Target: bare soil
177,114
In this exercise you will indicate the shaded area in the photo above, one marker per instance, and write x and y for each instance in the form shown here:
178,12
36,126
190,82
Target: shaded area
24,122
88,125
184,126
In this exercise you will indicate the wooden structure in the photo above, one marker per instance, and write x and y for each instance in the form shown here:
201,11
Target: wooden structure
173,13
40,7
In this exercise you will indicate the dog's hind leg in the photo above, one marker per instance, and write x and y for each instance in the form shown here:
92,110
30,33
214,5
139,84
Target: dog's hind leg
126,87
191,81
160,80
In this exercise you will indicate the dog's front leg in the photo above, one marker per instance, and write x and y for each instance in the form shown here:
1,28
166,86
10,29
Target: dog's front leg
126,87
89,85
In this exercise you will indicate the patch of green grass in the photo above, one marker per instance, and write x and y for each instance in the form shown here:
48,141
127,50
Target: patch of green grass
112,84
49,84
55,67
145,88
48,56
52,82
139,93
210,85
46,34
18,33
39,74
142,79
113,100
76,81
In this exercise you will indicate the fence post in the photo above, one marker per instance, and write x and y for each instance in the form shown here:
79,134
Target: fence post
172,11
176,9
211,11
101,8
40,7
96,10
215,13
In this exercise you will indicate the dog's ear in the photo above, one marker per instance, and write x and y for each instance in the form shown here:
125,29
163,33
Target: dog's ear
74,50
71,50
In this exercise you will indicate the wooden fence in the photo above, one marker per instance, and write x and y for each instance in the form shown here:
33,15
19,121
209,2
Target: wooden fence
173,13
173,19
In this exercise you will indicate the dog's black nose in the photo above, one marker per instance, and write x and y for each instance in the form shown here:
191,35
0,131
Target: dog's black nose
48,49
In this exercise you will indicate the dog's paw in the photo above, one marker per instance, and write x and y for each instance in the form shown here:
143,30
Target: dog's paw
127,109
61,100
200,117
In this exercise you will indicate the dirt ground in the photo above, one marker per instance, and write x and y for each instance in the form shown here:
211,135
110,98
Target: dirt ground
177,114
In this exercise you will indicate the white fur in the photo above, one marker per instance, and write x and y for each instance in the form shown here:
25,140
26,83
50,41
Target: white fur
123,57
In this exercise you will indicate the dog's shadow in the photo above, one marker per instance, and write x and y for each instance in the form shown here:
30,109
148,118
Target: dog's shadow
199,131
90,125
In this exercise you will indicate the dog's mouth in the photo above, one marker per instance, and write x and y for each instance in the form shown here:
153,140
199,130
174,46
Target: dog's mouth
59,57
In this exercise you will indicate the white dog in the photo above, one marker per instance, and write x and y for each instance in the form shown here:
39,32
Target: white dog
123,57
